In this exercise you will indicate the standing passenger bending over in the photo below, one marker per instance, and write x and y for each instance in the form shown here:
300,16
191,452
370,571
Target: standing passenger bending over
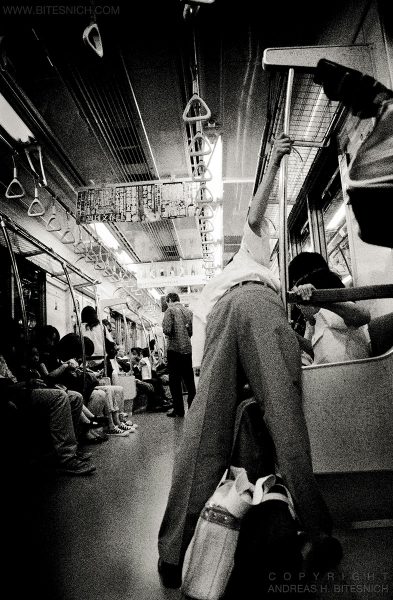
240,325
177,326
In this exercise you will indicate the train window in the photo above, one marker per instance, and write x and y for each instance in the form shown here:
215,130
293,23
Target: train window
336,235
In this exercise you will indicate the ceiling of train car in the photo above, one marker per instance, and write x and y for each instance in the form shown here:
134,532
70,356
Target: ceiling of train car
119,118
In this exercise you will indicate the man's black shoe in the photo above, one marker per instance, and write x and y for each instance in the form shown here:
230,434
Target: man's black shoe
321,554
170,574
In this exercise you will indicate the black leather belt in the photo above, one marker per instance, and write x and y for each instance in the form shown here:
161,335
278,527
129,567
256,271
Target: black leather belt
242,283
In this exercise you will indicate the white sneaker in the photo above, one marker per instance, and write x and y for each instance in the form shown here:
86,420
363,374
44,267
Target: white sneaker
125,427
117,432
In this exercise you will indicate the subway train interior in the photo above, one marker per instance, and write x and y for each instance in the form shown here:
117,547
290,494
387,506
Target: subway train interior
105,108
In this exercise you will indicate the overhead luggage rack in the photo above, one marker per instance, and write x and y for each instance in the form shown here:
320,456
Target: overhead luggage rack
26,246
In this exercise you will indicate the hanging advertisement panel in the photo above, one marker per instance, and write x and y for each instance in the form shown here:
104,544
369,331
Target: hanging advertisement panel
170,274
133,203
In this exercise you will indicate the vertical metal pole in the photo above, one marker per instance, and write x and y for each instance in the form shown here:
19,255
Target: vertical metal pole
144,330
102,329
283,241
78,320
127,340
18,281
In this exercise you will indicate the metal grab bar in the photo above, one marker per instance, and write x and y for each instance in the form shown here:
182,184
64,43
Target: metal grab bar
39,209
19,192
195,100
283,229
368,292
17,280
78,320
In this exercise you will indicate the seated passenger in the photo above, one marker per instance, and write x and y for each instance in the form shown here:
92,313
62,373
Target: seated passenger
101,400
337,331
56,410
157,401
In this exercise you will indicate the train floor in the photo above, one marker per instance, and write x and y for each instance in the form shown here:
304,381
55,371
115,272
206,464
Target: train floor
95,538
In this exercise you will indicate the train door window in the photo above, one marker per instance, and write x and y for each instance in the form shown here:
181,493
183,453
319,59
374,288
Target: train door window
33,282
336,235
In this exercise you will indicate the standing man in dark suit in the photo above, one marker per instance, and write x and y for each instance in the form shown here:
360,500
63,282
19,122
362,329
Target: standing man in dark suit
177,326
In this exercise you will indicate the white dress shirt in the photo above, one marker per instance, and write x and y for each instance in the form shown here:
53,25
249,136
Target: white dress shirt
251,263
334,341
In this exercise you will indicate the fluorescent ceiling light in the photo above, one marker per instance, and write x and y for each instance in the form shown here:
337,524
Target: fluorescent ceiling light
155,294
105,235
12,123
123,257
337,218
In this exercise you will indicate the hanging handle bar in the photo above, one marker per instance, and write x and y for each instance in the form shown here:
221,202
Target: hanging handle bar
36,208
283,236
310,144
53,223
203,142
79,246
68,235
202,173
197,103
41,174
368,292
206,226
18,191
203,195
206,212
92,38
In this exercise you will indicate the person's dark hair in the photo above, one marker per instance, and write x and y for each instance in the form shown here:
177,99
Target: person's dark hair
152,344
107,324
45,332
145,353
173,297
70,346
311,267
89,316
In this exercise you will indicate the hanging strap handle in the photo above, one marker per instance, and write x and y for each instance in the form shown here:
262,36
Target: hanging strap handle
53,223
36,208
79,246
206,212
197,103
203,195
206,226
92,38
68,235
201,140
18,191
40,175
202,173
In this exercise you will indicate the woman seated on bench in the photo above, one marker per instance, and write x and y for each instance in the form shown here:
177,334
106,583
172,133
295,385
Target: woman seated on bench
335,331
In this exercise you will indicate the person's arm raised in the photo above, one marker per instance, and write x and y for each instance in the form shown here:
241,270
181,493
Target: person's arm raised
282,145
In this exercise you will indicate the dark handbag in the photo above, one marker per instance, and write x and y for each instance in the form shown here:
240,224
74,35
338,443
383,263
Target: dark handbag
268,549
82,383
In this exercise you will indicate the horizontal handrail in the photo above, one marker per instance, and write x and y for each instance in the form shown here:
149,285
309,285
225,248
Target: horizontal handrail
368,292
